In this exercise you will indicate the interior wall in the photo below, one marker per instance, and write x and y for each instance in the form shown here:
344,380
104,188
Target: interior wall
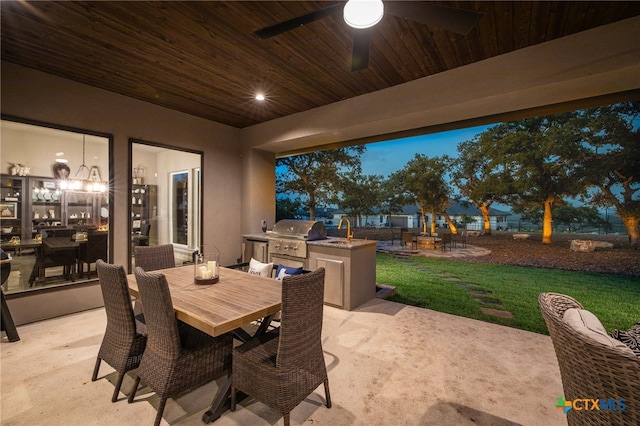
42,148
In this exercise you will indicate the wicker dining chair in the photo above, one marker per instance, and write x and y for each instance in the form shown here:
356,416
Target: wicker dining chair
123,342
282,367
178,358
152,258
590,369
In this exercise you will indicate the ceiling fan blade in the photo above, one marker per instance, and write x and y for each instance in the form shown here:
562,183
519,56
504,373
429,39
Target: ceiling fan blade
360,55
298,21
459,21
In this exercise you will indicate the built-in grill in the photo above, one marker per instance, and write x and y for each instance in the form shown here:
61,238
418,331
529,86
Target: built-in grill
288,240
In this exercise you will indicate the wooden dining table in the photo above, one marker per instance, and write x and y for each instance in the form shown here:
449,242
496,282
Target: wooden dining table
237,299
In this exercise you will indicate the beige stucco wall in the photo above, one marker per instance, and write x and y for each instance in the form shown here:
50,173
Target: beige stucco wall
33,95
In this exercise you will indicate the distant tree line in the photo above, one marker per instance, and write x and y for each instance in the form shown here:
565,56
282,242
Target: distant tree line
534,165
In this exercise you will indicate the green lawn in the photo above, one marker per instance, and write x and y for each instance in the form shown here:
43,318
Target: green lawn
614,299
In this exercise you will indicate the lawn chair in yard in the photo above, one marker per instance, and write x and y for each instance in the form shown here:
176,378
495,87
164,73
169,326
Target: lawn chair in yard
446,239
407,238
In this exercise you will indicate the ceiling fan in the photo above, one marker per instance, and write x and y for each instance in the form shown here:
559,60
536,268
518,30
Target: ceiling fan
363,14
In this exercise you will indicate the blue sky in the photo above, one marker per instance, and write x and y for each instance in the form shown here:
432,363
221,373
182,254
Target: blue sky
384,158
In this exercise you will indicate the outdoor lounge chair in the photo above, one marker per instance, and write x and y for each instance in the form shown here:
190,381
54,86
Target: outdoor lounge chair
591,365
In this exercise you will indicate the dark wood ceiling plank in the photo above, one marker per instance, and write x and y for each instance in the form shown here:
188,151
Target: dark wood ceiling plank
202,58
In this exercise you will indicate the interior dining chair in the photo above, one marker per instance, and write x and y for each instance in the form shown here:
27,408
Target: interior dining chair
141,238
178,358
95,248
152,258
282,367
123,342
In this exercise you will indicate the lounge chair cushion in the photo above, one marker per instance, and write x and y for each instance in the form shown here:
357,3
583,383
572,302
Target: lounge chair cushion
259,268
630,337
587,323
284,271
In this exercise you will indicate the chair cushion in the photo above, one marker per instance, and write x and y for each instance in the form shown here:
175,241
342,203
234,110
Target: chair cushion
588,324
259,268
631,338
284,271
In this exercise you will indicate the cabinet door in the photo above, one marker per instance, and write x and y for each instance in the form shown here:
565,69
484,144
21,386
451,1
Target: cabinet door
46,204
12,208
82,208
333,280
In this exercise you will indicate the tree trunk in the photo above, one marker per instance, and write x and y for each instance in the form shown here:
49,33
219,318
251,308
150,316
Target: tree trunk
486,219
547,221
312,206
452,225
631,224
433,221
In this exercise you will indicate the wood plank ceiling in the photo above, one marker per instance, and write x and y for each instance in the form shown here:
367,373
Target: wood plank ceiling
201,58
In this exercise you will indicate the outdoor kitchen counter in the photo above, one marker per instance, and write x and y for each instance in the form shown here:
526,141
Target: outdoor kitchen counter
342,243
350,270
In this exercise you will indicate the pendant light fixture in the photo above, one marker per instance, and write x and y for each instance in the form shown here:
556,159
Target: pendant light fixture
86,179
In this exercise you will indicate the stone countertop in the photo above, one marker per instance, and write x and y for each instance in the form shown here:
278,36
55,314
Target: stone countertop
342,243
262,236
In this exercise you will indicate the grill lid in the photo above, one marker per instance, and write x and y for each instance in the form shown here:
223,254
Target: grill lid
309,230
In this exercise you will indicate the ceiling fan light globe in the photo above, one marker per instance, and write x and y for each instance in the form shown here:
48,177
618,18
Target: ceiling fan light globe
363,13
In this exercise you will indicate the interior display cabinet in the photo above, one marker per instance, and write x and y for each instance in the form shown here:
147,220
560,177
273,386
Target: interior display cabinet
12,209
144,209
50,207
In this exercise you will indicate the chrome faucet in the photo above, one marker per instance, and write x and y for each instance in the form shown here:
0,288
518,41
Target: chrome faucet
349,234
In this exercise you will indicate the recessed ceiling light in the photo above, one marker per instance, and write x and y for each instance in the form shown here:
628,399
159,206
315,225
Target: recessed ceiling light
59,154
260,97
61,160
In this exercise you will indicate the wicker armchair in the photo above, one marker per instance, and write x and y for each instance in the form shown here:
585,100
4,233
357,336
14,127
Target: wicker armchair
178,358
152,258
281,368
123,342
590,369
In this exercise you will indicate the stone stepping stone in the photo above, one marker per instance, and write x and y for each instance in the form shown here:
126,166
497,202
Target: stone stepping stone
465,284
384,291
452,279
497,313
489,301
479,292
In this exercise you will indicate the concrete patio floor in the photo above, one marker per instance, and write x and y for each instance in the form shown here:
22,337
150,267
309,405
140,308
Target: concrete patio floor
389,364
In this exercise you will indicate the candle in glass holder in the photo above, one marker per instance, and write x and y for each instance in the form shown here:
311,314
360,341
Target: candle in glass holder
212,266
202,272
